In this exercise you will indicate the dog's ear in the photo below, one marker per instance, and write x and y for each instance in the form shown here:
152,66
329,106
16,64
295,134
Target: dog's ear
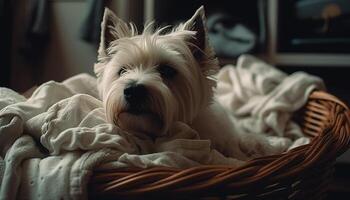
112,28
197,24
200,48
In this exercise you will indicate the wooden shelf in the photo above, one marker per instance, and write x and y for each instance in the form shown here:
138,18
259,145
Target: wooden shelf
310,60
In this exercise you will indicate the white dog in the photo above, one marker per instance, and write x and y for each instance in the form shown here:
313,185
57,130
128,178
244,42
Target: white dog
148,81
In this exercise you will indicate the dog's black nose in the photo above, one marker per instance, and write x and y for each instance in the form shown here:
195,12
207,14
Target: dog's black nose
135,94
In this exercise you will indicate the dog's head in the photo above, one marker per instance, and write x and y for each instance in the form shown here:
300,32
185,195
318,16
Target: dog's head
149,80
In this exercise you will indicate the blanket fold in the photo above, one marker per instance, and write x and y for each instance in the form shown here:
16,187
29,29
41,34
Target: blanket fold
263,99
51,143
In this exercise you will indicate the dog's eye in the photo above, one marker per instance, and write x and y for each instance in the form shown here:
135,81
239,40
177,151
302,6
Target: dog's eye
166,71
122,71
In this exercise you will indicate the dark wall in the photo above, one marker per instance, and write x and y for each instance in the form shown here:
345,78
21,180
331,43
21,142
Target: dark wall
5,41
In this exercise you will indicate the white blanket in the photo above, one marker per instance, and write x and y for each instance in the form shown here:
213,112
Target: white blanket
52,142
263,99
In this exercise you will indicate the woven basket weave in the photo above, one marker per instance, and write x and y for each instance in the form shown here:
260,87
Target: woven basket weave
302,173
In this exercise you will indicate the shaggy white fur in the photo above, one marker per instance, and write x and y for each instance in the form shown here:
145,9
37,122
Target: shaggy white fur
174,70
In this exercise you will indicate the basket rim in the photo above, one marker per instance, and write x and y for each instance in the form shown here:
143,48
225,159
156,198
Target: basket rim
321,95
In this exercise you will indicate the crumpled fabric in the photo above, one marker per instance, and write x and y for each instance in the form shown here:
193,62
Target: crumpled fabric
262,99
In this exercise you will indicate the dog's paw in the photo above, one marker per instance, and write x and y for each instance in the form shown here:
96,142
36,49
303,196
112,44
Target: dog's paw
299,142
279,144
254,147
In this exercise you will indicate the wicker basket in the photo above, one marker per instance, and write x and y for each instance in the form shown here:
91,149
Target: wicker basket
302,173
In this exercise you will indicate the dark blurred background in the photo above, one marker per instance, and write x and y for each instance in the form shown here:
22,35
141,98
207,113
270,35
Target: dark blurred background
43,40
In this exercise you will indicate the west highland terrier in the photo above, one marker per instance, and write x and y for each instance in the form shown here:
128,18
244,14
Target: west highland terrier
148,81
